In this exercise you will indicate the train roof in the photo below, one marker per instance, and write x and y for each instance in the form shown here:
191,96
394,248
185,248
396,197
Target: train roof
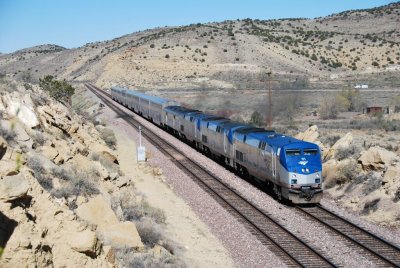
214,118
141,95
180,110
277,140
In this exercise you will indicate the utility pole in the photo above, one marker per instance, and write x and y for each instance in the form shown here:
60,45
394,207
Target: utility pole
269,115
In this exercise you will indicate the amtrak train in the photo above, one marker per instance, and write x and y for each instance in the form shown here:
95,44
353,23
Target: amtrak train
290,166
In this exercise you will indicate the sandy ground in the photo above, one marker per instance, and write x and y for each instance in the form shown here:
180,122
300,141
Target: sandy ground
200,247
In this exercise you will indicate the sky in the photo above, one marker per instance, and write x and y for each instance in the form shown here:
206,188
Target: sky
73,23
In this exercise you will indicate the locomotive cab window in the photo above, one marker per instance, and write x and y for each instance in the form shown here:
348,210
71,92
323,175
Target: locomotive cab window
310,151
292,152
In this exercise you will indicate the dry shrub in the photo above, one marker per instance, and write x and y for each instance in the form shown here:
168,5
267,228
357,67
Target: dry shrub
73,183
371,206
397,196
137,211
373,183
128,257
105,162
40,99
39,138
347,172
39,172
149,232
329,183
352,151
109,137
8,134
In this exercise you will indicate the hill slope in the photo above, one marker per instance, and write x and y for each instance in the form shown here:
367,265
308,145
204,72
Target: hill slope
352,46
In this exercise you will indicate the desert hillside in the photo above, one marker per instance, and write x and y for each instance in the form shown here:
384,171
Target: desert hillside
68,196
356,46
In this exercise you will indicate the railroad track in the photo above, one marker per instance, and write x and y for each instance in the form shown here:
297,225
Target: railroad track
385,253
288,247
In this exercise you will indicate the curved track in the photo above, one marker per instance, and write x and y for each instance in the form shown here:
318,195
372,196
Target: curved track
385,253
292,250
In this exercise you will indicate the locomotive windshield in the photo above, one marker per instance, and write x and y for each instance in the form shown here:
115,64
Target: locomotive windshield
292,152
310,151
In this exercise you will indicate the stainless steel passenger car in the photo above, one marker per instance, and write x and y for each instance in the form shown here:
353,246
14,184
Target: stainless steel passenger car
150,107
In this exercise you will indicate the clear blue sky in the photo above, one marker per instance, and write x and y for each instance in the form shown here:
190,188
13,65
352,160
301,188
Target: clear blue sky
72,23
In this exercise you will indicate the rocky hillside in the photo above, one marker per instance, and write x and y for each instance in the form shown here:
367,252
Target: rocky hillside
64,202
357,46
361,176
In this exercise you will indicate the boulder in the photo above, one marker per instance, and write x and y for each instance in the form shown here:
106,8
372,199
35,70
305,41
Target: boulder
85,242
329,168
97,211
7,168
110,254
376,158
122,234
122,181
13,187
109,157
343,142
49,152
391,175
55,115
310,135
3,147
21,107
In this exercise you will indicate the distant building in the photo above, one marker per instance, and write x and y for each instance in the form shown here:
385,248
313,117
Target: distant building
375,110
361,86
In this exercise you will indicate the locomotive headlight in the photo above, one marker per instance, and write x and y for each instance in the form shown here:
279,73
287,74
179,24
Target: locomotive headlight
317,175
307,170
303,170
293,175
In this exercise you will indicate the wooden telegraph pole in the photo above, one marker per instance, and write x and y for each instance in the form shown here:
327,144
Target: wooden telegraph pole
269,115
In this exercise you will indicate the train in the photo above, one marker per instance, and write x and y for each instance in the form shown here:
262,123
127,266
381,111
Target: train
291,168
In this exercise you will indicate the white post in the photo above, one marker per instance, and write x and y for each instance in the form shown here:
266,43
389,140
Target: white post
140,136
141,151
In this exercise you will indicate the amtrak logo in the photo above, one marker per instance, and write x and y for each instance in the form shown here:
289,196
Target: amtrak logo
303,161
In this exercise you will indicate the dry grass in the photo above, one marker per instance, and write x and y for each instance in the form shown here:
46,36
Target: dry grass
130,258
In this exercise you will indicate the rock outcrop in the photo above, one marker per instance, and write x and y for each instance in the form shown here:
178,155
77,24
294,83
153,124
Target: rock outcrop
21,107
342,143
122,234
310,135
13,187
3,147
85,242
99,213
376,158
